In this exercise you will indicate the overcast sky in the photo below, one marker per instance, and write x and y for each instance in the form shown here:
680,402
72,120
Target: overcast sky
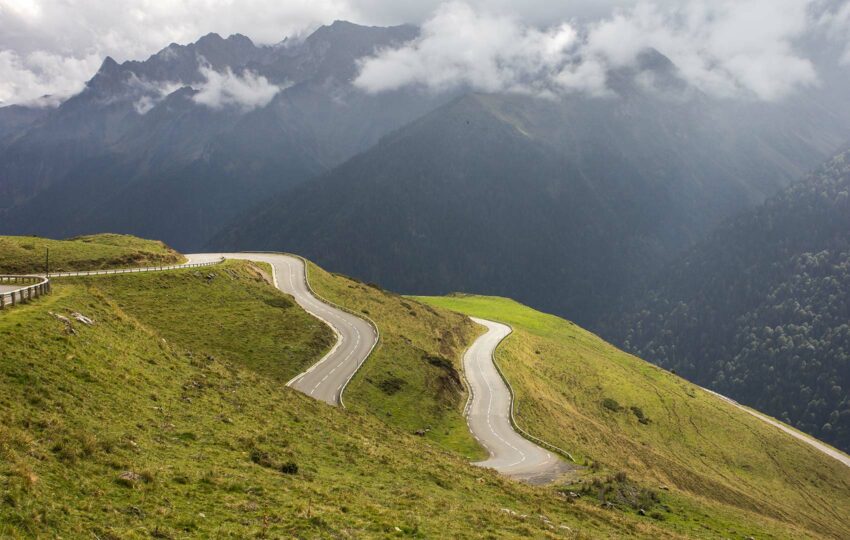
731,47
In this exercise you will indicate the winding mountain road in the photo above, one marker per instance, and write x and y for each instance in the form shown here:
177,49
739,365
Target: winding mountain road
326,379
356,338
489,410
489,415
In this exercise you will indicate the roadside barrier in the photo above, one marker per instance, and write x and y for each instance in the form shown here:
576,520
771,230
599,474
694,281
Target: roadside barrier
134,270
40,285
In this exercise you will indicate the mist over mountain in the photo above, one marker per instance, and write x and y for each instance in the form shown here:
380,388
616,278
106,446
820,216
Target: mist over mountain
181,144
225,143
175,146
218,142
565,204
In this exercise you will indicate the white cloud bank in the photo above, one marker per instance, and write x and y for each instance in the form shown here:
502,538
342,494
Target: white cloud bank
494,53
43,79
54,46
247,91
152,92
836,21
728,48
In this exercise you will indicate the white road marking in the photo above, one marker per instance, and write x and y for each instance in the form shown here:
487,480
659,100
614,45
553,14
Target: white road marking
488,413
326,379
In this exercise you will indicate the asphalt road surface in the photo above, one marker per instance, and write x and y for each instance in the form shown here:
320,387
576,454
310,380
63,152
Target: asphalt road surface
489,413
356,338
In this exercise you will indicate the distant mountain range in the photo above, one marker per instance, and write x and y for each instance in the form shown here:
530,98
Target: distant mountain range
567,205
186,143
137,151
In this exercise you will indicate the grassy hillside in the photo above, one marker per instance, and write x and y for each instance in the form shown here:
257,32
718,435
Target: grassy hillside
413,378
148,424
26,254
168,418
619,413
726,510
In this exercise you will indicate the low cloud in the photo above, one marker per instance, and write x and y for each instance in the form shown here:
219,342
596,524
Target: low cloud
836,22
82,32
43,79
741,47
460,46
55,46
152,92
727,48
246,91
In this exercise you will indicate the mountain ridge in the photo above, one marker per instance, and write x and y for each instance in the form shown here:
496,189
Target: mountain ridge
592,190
311,123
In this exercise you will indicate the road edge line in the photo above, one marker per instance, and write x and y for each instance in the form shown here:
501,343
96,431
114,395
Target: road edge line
368,319
322,299
514,423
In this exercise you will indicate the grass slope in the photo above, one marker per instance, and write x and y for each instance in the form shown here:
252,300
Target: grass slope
239,301
624,414
412,380
148,424
26,254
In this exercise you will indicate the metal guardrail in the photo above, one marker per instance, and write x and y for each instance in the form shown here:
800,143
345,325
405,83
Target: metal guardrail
134,270
41,285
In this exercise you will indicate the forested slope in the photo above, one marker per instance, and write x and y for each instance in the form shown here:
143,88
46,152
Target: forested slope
760,310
